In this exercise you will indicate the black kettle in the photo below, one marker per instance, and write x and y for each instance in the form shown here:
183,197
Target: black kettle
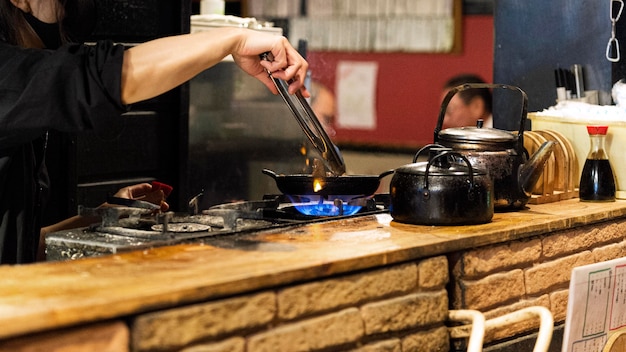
445,190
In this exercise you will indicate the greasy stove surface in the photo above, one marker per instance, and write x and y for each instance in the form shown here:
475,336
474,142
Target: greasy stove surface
125,229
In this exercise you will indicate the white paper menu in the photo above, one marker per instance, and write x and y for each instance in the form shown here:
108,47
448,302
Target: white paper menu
596,307
356,94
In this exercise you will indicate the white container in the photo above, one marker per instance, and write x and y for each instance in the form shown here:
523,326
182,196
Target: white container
575,131
212,7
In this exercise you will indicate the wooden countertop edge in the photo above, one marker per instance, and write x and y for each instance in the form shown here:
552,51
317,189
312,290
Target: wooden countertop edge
67,293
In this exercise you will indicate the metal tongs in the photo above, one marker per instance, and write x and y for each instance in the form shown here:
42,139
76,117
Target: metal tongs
310,124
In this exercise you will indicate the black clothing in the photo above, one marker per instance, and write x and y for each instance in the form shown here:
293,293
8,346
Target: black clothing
49,33
80,18
74,88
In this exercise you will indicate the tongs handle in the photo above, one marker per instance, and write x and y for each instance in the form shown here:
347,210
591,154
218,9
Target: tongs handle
309,123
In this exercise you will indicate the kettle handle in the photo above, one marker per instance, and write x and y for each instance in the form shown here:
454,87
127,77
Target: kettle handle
466,86
426,148
447,154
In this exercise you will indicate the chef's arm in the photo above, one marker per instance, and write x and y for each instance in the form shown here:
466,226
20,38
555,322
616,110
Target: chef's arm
74,222
71,223
157,66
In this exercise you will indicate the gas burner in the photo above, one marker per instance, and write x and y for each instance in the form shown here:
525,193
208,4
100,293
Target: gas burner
183,227
322,207
125,228
336,208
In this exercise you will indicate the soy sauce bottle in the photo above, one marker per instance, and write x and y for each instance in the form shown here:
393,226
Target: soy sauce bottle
597,183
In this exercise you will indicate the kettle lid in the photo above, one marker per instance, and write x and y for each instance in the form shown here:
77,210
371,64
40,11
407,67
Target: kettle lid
477,135
448,166
419,168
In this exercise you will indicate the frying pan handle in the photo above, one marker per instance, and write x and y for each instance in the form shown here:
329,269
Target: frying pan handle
386,173
270,173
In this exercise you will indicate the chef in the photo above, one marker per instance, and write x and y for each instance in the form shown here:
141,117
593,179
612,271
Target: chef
49,83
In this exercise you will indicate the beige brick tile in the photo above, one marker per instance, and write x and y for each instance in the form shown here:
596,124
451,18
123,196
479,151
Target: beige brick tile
313,334
411,311
509,330
235,344
543,301
558,304
324,295
573,240
433,273
554,274
181,326
609,252
435,340
492,291
391,345
477,263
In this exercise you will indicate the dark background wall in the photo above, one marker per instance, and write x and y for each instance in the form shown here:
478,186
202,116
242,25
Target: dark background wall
534,37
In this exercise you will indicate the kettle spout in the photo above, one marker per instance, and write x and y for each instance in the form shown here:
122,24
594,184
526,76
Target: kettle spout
529,172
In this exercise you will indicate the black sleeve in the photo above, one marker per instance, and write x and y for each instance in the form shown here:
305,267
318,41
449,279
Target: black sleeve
71,89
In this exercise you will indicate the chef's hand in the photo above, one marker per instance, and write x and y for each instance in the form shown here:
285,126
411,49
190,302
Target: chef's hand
144,192
287,63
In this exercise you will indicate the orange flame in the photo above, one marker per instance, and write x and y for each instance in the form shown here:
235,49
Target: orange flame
318,184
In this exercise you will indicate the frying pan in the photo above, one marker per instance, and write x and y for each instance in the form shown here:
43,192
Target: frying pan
337,184
303,184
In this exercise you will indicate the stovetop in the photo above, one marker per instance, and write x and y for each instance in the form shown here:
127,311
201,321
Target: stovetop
125,228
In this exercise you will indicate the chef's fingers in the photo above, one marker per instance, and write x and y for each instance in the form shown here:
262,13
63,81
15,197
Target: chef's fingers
294,84
134,191
287,64
155,197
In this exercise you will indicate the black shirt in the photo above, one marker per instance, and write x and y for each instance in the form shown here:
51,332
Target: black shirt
74,88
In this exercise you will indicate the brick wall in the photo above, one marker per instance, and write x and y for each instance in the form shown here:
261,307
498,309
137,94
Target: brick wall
399,308
536,271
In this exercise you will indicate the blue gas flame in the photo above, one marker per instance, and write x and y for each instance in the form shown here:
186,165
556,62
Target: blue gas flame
324,207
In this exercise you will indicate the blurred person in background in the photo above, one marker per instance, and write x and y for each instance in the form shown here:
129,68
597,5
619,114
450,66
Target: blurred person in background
468,106
324,107
322,102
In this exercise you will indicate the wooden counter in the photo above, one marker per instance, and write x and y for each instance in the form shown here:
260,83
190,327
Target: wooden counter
44,296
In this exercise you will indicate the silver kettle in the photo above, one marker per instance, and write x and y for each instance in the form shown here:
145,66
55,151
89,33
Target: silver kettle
501,153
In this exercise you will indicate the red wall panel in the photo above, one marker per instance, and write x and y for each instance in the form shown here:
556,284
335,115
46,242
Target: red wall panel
409,86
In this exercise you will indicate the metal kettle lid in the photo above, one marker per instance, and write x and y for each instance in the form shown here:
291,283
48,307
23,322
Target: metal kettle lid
420,169
476,134
453,169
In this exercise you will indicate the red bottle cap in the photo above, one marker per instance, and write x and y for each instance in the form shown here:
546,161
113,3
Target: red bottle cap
597,129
